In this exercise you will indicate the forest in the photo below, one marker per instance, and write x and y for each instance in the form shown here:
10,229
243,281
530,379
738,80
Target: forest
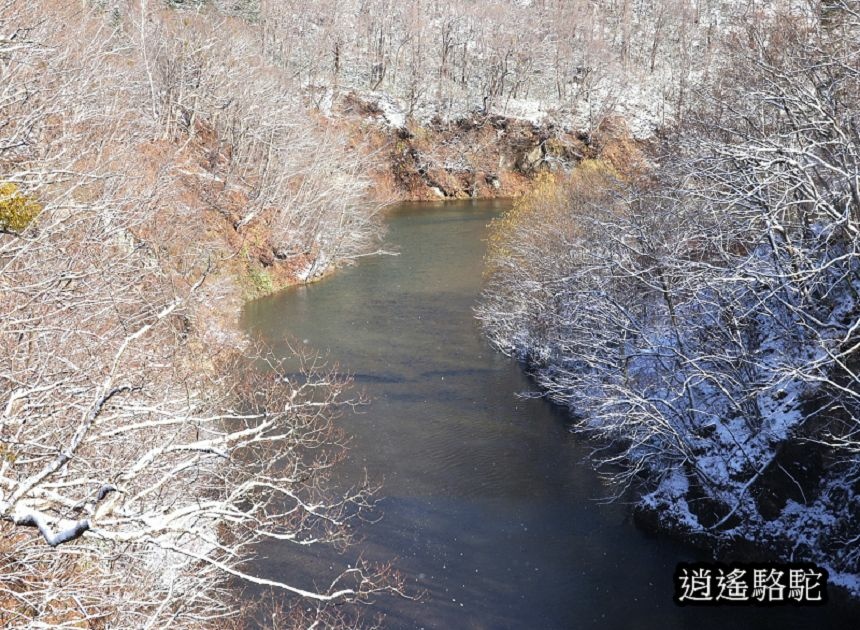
680,271
695,305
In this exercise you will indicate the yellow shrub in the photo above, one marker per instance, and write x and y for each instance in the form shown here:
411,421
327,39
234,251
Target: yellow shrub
16,210
544,192
550,213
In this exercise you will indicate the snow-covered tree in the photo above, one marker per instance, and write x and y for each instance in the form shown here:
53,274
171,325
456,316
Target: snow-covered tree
700,317
143,458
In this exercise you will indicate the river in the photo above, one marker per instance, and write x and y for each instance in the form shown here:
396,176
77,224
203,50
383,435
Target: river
489,504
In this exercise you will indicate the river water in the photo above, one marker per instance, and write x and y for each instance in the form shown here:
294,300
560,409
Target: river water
490,507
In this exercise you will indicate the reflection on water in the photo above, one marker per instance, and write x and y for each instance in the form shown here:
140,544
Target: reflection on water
489,506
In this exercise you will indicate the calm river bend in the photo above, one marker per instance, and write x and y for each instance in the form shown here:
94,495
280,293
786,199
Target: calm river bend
489,504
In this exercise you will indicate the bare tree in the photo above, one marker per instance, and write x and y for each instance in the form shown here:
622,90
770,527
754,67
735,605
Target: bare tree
141,464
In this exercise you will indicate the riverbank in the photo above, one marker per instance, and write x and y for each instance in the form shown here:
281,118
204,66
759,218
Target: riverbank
474,156
658,308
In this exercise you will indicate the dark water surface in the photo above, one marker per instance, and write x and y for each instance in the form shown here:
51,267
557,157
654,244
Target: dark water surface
489,506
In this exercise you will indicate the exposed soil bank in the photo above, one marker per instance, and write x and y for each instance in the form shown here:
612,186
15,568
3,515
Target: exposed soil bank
476,155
